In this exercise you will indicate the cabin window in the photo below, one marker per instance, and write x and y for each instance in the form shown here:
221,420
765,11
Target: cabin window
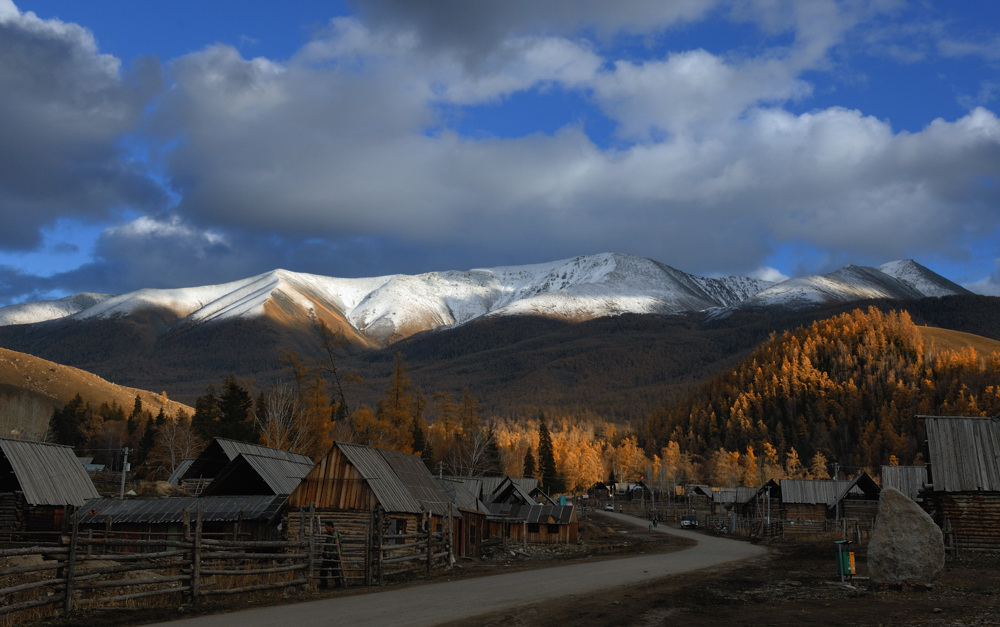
533,527
553,528
397,526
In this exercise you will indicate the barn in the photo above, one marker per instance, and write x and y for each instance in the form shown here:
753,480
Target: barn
39,484
963,480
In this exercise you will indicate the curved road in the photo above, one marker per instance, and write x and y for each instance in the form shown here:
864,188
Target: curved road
436,603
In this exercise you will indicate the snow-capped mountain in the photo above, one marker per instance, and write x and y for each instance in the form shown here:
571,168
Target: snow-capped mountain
904,279
40,311
381,310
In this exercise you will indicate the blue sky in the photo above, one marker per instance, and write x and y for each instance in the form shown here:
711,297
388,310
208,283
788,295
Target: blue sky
190,143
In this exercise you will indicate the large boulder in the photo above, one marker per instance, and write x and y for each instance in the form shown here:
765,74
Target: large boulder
906,546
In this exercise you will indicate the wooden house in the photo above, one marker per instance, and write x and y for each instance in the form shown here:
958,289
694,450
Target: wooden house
857,502
963,480
243,469
534,524
599,492
811,506
471,527
352,480
637,492
726,501
39,484
516,516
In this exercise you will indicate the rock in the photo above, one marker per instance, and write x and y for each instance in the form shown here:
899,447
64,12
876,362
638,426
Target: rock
906,545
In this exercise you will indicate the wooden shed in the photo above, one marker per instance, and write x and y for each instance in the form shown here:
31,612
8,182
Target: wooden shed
228,517
243,468
39,482
963,480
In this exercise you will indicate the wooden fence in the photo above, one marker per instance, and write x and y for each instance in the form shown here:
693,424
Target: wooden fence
86,570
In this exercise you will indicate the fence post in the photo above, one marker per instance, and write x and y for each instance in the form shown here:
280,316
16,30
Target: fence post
451,526
312,544
71,562
429,551
196,557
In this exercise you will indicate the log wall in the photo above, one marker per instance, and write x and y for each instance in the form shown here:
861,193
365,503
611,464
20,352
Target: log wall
974,517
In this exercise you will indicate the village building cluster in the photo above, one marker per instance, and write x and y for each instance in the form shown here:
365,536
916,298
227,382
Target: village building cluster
259,493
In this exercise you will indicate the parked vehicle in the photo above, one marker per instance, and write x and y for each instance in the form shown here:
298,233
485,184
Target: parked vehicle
689,522
609,507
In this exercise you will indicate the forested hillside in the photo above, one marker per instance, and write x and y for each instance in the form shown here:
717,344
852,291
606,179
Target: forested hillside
849,388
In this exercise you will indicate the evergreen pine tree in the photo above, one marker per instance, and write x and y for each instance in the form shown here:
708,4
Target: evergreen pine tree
206,414
66,425
491,456
135,417
529,464
550,479
236,421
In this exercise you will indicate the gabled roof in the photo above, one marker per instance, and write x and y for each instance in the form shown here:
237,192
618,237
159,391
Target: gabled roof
907,479
510,491
964,454
490,484
171,510
462,495
221,451
414,475
814,491
47,474
862,485
256,474
540,497
401,482
730,496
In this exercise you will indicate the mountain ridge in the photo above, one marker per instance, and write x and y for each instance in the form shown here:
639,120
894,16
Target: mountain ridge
379,311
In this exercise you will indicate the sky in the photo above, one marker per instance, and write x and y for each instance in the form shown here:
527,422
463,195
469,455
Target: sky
183,143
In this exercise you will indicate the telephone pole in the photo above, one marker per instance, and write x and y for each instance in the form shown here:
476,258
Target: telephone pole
121,492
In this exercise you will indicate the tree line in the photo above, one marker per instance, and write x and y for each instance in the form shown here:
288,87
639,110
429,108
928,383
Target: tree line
845,390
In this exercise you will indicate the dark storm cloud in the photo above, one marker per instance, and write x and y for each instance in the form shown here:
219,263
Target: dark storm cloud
476,29
63,112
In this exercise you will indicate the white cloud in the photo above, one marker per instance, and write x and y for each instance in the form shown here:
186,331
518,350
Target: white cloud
766,273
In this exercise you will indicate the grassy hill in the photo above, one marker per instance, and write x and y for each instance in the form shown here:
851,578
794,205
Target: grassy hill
31,388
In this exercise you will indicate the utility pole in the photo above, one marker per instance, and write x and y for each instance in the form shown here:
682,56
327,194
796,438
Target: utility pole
121,492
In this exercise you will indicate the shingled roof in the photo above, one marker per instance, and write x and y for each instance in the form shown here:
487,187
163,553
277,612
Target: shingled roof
47,474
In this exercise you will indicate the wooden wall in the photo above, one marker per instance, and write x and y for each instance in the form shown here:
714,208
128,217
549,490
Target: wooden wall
974,517
334,484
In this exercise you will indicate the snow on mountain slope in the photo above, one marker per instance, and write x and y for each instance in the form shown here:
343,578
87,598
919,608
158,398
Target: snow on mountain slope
388,308
925,281
40,311
848,284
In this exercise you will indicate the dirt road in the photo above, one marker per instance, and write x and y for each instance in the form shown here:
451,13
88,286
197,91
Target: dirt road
443,602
